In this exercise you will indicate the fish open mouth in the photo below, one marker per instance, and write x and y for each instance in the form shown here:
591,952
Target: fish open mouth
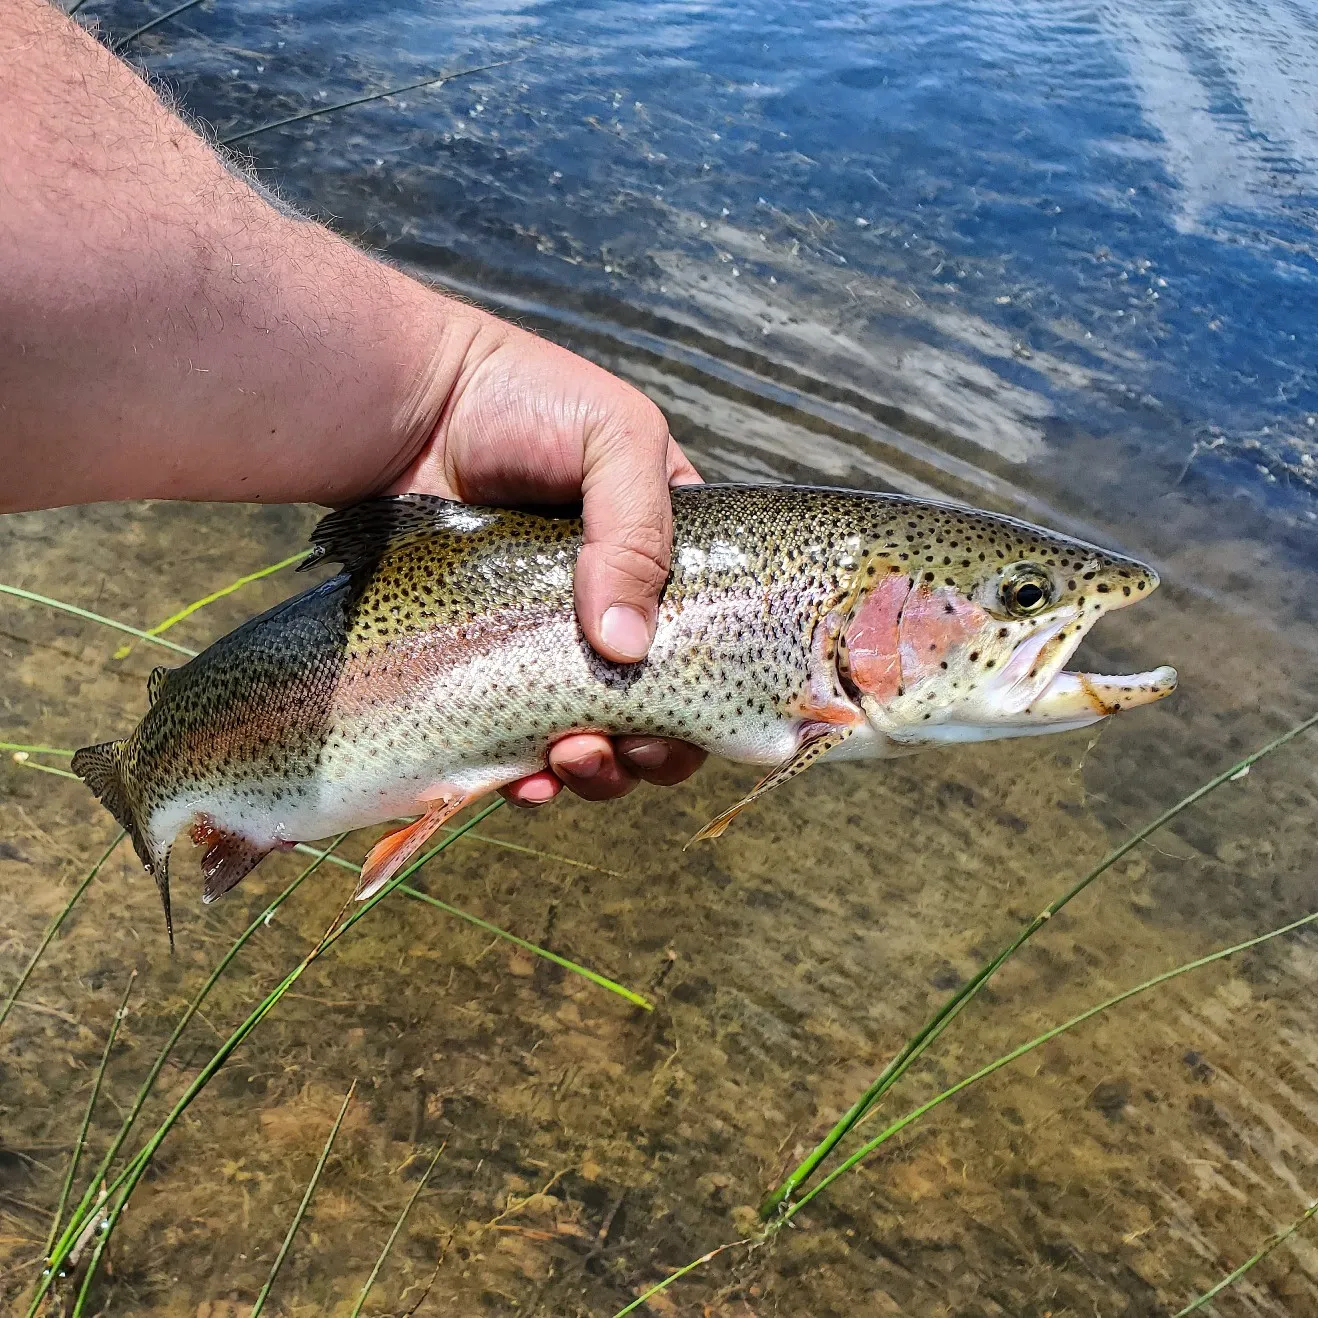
1035,686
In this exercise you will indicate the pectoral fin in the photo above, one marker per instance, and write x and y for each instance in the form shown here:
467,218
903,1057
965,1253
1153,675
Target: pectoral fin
228,858
391,853
818,741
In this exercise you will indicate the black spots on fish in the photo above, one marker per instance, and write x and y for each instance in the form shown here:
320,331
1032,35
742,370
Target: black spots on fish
949,608
1125,590
928,576
1102,588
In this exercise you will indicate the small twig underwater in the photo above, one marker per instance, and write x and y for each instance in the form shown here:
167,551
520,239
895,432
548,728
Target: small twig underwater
76,1156
437,81
53,928
393,1235
1277,1238
948,1012
302,1207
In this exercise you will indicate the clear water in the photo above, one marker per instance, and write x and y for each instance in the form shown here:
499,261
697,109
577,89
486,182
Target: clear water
1051,259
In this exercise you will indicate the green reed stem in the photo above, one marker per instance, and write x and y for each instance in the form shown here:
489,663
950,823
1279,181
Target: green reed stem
189,609
302,1207
495,842
33,598
685,1270
85,1206
1006,1059
437,81
1268,1246
118,46
948,1012
53,928
127,1180
593,976
23,762
19,749
393,1235
1037,1042
78,1144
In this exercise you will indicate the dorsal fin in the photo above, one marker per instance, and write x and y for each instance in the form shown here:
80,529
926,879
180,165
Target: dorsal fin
155,684
358,536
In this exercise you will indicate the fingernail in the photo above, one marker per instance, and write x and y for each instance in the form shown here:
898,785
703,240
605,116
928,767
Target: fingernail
647,754
626,631
586,767
537,793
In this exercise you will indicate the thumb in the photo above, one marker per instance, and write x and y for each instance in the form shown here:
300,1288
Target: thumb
628,523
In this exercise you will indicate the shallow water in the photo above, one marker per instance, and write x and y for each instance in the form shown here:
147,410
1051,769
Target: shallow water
1081,293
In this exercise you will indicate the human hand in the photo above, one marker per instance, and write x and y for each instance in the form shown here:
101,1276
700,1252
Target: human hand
526,421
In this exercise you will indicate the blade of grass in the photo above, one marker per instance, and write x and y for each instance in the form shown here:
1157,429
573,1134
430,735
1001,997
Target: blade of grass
1278,1238
144,1090
302,1207
76,1156
593,976
895,1128
21,759
437,81
121,1189
33,598
19,749
53,928
118,46
948,1012
189,609
1037,1042
493,842
393,1235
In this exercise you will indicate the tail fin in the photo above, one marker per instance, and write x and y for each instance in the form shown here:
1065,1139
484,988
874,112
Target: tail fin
101,767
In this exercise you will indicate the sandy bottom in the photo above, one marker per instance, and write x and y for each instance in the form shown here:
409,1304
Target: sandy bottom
589,1147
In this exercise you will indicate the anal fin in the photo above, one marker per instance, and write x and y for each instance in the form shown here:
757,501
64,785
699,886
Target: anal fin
228,858
391,853
817,741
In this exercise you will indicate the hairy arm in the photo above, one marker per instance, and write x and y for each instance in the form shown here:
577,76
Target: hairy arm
166,332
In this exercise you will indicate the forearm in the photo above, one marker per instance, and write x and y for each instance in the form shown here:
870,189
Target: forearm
164,331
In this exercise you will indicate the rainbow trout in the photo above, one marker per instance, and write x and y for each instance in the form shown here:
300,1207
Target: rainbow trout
797,625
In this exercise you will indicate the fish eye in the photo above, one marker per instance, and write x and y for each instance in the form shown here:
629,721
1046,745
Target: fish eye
1025,591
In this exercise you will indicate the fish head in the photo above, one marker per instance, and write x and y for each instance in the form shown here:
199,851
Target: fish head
964,623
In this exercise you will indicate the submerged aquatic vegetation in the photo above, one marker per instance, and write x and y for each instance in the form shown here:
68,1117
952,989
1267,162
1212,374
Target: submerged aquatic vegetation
107,1194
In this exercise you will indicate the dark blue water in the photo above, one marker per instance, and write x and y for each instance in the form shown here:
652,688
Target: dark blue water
1069,245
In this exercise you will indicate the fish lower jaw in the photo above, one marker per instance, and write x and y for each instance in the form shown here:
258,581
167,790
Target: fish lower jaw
1077,695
